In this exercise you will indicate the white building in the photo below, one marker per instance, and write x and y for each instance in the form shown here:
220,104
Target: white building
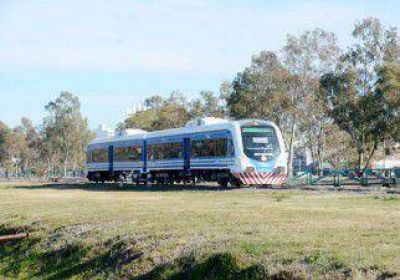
103,131
388,162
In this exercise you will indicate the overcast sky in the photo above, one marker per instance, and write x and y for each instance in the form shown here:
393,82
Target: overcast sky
114,53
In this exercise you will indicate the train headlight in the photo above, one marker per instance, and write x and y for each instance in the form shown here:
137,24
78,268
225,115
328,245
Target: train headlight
264,158
249,169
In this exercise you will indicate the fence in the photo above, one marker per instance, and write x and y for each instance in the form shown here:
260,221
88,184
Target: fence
44,175
389,177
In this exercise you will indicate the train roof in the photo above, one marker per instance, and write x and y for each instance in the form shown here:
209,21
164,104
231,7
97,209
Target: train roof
129,134
193,126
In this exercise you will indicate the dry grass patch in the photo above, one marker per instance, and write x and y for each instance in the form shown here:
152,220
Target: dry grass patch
182,233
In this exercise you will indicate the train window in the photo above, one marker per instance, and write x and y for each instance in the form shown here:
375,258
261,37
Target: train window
150,152
133,153
103,155
211,148
165,151
196,148
260,142
230,149
95,155
158,151
220,147
153,152
100,155
130,153
172,150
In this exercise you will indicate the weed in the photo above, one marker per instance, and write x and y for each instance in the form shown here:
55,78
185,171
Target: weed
254,249
280,196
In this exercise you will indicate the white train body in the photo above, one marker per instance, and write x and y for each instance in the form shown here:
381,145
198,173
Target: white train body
249,152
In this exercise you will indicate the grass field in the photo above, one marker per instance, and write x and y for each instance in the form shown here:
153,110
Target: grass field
81,231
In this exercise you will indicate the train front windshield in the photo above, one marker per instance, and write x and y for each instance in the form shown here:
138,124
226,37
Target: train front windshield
260,142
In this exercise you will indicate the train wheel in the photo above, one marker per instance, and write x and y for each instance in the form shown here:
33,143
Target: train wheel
161,181
223,182
236,183
120,180
169,181
136,181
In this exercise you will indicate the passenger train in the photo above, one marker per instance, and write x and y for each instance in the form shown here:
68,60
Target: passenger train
245,152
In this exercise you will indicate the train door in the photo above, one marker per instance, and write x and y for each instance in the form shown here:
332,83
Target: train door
186,156
144,156
111,158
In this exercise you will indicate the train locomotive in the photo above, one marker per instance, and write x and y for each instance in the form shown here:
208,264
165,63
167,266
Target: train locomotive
243,152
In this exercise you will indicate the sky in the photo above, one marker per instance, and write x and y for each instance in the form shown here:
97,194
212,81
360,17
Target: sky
112,54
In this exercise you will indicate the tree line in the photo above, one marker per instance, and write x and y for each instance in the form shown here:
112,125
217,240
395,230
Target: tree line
55,147
342,105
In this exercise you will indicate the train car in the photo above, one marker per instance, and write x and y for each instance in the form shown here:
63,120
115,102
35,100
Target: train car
111,159
245,152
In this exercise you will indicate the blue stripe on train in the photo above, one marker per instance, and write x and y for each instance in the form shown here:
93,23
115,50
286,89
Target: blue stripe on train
197,135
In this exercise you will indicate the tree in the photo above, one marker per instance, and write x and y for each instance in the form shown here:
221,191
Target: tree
171,116
160,113
375,47
307,57
20,148
17,151
368,118
338,147
66,132
142,119
32,157
207,105
389,80
4,131
262,81
174,111
362,94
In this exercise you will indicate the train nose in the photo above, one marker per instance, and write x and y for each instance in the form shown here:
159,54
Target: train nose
261,178
249,169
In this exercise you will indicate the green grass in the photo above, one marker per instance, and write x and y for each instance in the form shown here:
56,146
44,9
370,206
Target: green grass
80,231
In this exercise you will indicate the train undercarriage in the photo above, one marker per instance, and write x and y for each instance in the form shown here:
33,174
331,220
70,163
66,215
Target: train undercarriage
224,178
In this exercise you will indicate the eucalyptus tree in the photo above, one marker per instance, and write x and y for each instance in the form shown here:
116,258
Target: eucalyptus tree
4,131
66,132
254,90
20,146
208,104
17,150
389,85
307,57
32,160
368,118
160,113
375,46
174,111
362,96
